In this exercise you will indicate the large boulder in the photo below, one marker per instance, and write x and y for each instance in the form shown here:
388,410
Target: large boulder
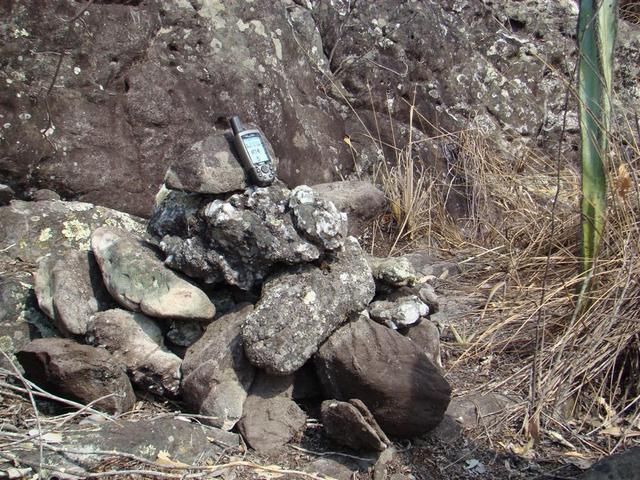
139,281
136,341
31,230
70,289
140,82
300,307
78,372
403,389
271,418
241,239
216,375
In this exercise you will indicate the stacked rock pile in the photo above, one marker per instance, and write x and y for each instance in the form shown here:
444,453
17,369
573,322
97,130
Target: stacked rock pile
237,299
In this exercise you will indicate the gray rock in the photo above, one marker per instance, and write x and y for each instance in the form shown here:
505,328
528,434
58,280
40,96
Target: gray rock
136,341
139,281
271,418
78,372
34,229
44,194
318,219
428,295
184,333
351,424
6,194
622,466
427,265
180,440
211,165
216,373
20,318
393,271
69,289
362,201
403,389
340,468
402,312
239,240
426,335
476,409
300,307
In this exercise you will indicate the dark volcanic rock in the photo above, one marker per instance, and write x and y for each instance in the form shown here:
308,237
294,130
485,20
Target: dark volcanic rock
241,239
426,335
142,81
6,194
402,388
139,281
136,341
216,374
70,290
351,424
210,166
271,418
78,372
622,466
300,307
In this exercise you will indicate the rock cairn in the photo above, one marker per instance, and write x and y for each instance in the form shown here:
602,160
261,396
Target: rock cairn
230,294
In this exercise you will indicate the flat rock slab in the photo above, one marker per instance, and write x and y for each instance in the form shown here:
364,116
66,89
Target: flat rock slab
139,281
299,309
31,230
476,409
70,289
211,165
216,374
181,441
403,389
78,372
136,341
351,424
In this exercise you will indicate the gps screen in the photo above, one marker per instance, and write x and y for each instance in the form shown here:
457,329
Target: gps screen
255,148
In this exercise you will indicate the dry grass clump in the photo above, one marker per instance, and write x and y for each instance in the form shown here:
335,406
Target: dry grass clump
581,374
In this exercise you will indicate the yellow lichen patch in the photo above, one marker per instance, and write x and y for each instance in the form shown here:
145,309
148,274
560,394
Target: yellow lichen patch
77,232
45,235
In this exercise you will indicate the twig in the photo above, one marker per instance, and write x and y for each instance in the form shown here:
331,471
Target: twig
324,454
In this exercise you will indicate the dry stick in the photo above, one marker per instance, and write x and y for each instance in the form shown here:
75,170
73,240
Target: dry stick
33,405
540,325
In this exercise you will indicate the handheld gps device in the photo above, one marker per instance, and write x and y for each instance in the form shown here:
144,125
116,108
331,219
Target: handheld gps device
253,152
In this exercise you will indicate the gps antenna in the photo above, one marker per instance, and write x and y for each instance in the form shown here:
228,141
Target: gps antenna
236,125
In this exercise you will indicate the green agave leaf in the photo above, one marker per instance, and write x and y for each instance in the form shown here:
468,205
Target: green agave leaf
597,25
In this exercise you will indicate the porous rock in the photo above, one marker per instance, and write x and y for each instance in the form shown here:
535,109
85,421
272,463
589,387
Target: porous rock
239,240
139,281
78,372
351,424
216,375
393,271
300,307
211,166
360,200
402,312
69,289
136,341
270,418
403,389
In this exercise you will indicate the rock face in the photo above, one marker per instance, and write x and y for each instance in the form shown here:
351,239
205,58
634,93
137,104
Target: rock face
78,372
270,418
239,240
136,341
352,425
216,374
361,200
139,281
34,229
300,307
404,391
210,166
142,82
70,290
